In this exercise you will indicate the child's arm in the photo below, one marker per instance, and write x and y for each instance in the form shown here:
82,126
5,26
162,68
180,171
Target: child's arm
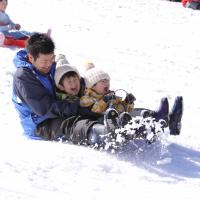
86,101
6,23
97,106
126,105
5,27
13,25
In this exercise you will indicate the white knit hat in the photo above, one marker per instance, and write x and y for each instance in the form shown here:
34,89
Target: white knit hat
63,67
94,75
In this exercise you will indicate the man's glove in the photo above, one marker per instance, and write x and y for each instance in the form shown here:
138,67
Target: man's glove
108,97
130,98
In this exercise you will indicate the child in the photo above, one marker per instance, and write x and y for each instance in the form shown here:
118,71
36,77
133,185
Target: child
10,31
6,24
67,80
99,98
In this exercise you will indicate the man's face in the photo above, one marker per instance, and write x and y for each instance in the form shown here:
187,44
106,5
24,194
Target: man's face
43,62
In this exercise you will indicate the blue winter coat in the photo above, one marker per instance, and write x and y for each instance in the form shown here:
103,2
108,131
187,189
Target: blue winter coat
34,97
6,23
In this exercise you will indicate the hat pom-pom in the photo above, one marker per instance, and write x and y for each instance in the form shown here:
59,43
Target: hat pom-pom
89,65
60,57
61,60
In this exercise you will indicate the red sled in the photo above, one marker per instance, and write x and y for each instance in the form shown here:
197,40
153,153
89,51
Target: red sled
21,43
10,41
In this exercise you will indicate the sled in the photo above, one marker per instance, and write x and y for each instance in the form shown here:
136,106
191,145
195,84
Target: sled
9,41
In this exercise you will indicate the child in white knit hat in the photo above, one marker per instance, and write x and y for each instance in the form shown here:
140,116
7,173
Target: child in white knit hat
98,96
67,80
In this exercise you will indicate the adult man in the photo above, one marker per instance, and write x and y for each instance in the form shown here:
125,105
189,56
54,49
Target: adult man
35,100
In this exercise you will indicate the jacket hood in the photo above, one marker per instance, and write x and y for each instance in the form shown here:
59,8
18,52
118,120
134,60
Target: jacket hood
21,60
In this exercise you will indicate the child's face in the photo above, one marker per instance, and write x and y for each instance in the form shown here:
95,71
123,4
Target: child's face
102,87
70,85
3,5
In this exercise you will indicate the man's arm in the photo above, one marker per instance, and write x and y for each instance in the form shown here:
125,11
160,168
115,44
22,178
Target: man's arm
31,92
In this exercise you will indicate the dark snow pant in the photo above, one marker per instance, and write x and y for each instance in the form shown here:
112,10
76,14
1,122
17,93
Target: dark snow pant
74,129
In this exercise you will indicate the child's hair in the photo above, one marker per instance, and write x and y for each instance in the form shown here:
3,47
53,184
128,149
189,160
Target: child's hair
68,75
40,43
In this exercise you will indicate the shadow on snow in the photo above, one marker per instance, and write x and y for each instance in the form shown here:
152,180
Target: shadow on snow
172,160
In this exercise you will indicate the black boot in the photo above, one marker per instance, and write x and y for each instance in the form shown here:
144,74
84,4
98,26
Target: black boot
111,119
124,119
175,116
163,111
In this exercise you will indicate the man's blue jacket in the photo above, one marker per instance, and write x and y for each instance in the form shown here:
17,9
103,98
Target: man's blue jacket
34,95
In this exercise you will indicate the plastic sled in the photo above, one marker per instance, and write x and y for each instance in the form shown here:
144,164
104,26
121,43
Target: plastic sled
9,41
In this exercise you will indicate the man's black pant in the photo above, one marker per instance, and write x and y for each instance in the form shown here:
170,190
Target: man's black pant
74,129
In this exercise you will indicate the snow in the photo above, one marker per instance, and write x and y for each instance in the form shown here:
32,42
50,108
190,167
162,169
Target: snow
150,48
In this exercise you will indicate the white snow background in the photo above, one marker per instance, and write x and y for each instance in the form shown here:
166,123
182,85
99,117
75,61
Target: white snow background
150,48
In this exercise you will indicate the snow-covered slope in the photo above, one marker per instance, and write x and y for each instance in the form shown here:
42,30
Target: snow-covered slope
150,48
